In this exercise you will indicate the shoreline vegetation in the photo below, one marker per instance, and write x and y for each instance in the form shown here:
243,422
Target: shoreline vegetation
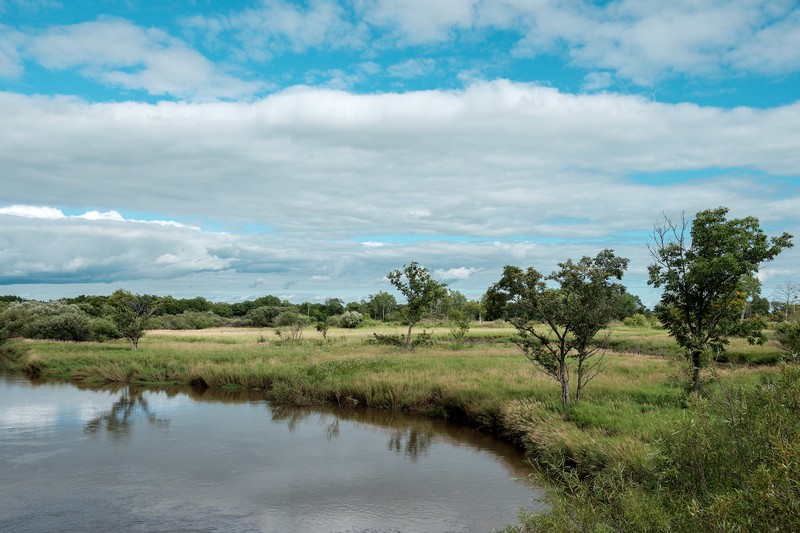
610,466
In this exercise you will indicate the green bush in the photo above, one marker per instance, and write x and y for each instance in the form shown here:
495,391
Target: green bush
351,319
53,320
731,464
104,329
788,336
636,321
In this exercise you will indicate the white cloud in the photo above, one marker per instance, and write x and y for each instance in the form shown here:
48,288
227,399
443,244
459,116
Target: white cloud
640,40
10,62
419,21
277,26
31,211
515,169
454,274
119,53
412,68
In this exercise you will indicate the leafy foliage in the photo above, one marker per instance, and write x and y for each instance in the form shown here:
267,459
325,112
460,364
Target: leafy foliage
703,279
131,313
421,292
572,314
788,336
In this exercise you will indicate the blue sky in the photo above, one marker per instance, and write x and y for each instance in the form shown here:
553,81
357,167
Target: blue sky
304,149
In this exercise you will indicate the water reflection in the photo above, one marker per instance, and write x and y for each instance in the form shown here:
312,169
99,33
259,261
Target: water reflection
130,405
410,442
179,459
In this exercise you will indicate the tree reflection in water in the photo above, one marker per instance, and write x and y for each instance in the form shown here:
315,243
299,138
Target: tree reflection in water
411,442
294,415
119,419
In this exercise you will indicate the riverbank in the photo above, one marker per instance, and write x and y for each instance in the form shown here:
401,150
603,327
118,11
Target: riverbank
486,383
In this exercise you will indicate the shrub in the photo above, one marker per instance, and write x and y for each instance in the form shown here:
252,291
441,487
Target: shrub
636,321
38,320
788,336
351,319
289,325
103,329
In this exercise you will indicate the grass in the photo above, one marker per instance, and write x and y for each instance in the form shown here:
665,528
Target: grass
486,382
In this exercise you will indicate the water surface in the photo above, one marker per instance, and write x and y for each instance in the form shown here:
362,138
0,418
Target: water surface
127,459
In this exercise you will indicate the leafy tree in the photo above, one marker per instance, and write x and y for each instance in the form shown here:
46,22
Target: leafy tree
322,326
702,279
333,307
289,325
421,292
131,313
459,326
558,324
381,306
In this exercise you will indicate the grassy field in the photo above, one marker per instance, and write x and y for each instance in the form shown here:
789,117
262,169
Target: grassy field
486,382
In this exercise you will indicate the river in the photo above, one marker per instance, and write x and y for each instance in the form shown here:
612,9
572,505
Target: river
132,459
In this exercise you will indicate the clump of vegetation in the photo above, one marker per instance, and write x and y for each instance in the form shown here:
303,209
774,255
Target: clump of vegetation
730,464
459,327
787,334
555,325
703,275
290,325
351,319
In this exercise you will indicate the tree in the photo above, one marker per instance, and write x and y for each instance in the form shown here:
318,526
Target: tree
381,306
421,292
289,325
556,324
130,313
702,279
788,294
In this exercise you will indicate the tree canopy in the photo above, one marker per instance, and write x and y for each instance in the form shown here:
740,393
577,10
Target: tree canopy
421,292
703,276
555,324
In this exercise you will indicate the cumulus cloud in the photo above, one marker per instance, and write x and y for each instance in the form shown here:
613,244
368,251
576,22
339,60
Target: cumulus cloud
277,26
497,173
117,52
641,41
496,159
454,274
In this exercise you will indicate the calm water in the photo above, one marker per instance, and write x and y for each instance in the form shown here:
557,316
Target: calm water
126,459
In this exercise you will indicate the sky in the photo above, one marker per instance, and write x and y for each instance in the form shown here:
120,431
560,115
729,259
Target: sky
232,149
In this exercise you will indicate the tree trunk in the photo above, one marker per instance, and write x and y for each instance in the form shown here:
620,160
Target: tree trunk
697,356
563,378
408,336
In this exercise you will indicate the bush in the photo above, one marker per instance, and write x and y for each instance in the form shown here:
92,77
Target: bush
350,319
788,336
261,317
104,329
636,321
731,464
187,320
38,320
289,325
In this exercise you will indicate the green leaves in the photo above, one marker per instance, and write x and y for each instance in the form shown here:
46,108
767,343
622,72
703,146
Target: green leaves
706,281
